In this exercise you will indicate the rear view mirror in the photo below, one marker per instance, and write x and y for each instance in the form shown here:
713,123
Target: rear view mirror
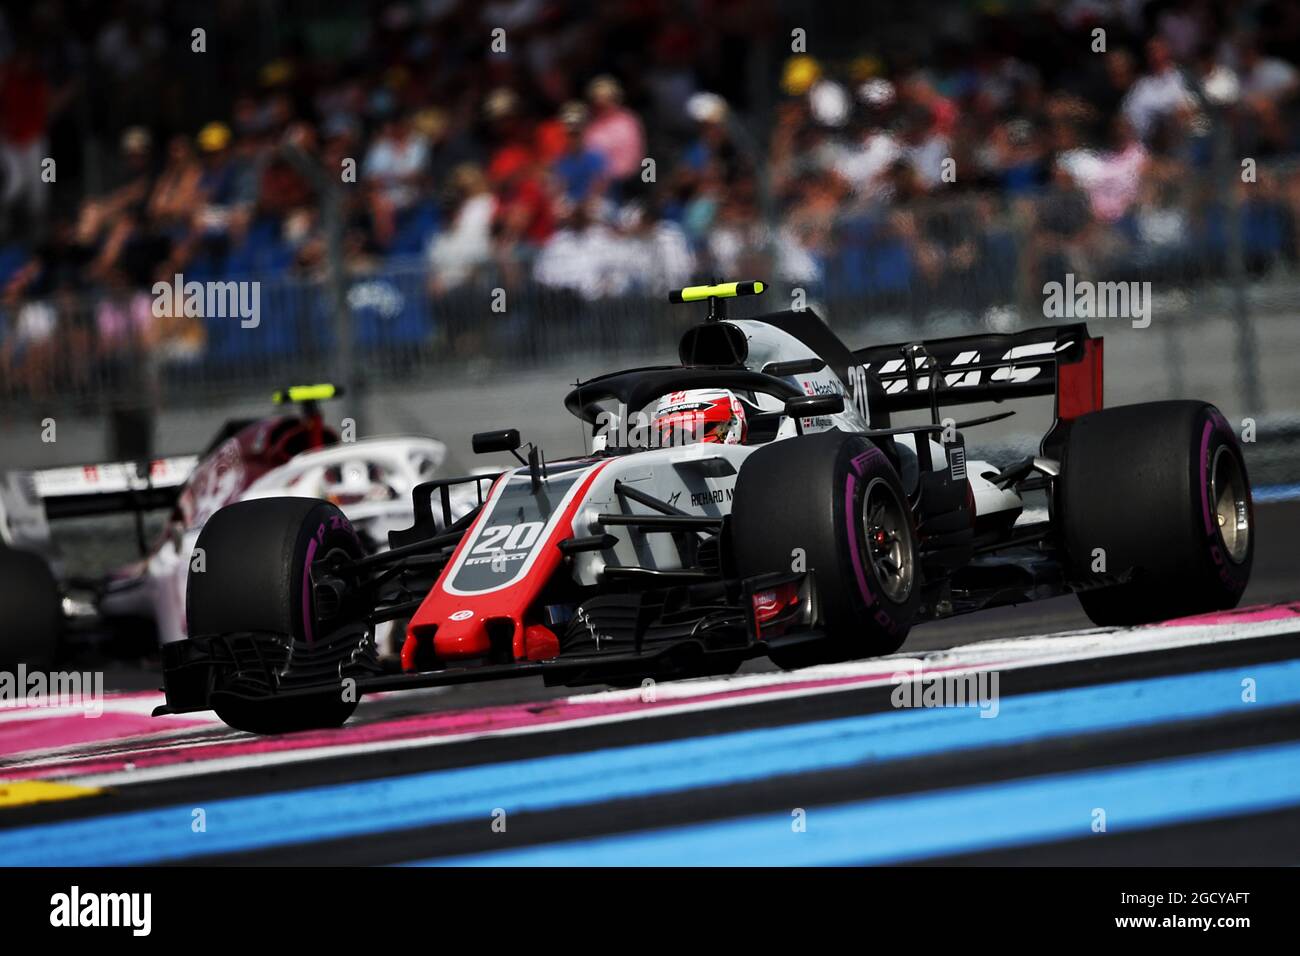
814,406
503,439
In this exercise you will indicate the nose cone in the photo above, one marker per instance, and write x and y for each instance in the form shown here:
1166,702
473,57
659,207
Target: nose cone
466,637
463,634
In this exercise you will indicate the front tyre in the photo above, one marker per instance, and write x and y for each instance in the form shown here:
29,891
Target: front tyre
1158,493
257,577
832,502
31,611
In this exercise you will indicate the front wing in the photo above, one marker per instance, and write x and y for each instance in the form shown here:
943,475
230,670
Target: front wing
199,671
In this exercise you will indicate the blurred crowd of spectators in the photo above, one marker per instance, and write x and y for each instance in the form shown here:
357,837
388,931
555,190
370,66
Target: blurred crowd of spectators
625,147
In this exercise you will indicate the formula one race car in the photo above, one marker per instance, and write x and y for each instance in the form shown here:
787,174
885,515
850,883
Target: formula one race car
371,480
757,499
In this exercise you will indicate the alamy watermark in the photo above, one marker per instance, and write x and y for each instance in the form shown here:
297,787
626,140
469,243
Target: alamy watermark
209,300
640,430
74,690
75,908
1083,299
914,688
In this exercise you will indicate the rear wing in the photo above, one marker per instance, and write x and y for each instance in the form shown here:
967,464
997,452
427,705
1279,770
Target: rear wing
29,500
1063,361
83,490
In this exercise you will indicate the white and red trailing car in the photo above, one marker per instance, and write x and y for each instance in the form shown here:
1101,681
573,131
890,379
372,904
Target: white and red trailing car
758,498
371,480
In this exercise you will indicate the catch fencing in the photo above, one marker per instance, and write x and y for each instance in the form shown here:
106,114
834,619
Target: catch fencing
969,263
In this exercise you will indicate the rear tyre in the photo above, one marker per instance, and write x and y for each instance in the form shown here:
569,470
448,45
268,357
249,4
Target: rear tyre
1158,490
257,558
31,611
834,502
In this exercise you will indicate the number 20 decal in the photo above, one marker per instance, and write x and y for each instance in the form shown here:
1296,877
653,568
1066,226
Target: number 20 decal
505,537
858,386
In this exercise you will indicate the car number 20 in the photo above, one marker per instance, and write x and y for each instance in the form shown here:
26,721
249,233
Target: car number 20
858,389
507,538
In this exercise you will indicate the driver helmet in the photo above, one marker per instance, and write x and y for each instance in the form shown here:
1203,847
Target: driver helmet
712,415
350,482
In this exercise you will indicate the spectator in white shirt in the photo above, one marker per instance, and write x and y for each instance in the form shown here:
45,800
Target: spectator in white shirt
393,167
1268,88
1160,94
465,246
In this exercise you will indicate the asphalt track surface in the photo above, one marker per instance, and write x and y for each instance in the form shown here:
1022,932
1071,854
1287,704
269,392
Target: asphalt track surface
1174,744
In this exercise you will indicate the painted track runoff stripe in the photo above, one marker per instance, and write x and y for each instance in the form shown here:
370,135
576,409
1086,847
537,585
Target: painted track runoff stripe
593,777
948,822
21,793
1271,493
178,759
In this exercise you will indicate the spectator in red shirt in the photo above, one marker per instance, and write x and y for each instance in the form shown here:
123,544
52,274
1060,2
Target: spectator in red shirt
24,117
512,138
524,210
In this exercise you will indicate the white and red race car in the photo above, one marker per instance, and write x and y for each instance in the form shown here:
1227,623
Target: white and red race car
372,480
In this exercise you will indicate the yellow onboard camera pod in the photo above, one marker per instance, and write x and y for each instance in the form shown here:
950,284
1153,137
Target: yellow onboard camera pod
714,293
306,393
725,290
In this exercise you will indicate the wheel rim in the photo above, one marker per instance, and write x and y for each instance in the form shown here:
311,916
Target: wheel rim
320,623
1231,504
889,540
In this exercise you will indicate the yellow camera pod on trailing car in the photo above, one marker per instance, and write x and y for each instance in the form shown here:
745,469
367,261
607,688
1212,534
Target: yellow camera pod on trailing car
295,394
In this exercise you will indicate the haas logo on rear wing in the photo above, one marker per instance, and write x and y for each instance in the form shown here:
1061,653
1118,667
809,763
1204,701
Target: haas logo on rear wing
1063,361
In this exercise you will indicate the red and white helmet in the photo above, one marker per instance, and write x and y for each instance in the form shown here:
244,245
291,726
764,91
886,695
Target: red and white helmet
700,415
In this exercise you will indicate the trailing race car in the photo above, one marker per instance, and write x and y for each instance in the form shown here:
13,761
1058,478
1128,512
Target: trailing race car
757,499
285,455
